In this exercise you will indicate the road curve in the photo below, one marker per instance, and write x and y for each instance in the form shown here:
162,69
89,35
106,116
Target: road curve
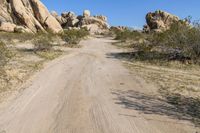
84,92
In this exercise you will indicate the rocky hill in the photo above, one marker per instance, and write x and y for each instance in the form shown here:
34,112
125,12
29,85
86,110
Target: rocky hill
32,16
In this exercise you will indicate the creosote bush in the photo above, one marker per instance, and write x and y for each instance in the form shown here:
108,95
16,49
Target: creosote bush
127,35
43,42
74,36
21,37
5,56
181,42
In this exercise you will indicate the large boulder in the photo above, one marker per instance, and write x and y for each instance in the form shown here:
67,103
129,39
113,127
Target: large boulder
53,25
95,24
159,21
44,17
70,19
5,10
31,14
21,29
24,16
7,27
93,20
101,17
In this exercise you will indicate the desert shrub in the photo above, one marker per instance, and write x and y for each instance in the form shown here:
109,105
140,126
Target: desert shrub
22,37
43,42
5,54
181,41
127,35
74,36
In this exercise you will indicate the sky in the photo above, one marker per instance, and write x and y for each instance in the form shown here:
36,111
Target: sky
129,13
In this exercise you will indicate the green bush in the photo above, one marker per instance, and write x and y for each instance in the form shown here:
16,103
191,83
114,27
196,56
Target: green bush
74,36
180,40
5,54
22,37
43,42
127,35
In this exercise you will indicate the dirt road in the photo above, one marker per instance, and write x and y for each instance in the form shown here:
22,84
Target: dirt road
84,92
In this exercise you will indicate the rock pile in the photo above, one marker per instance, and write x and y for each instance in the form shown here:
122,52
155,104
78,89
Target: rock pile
95,24
159,21
26,16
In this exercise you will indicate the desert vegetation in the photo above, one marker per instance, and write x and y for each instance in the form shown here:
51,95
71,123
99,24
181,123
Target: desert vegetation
74,36
180,42
170,59
21,54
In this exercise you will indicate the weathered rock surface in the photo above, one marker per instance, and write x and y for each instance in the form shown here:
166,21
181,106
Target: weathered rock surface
7,27
21,29
159,21
32,15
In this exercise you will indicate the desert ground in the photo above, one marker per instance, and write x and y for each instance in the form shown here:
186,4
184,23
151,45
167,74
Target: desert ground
88,90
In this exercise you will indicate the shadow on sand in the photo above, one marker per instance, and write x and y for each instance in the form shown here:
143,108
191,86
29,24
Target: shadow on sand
169,104
175,106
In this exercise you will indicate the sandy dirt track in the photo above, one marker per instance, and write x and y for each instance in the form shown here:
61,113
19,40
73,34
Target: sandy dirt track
84,92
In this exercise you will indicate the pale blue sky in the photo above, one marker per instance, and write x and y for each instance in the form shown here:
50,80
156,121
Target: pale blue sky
127,12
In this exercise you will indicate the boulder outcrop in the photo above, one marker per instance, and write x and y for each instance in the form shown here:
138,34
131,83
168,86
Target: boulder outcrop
95,24
32,15
159,21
